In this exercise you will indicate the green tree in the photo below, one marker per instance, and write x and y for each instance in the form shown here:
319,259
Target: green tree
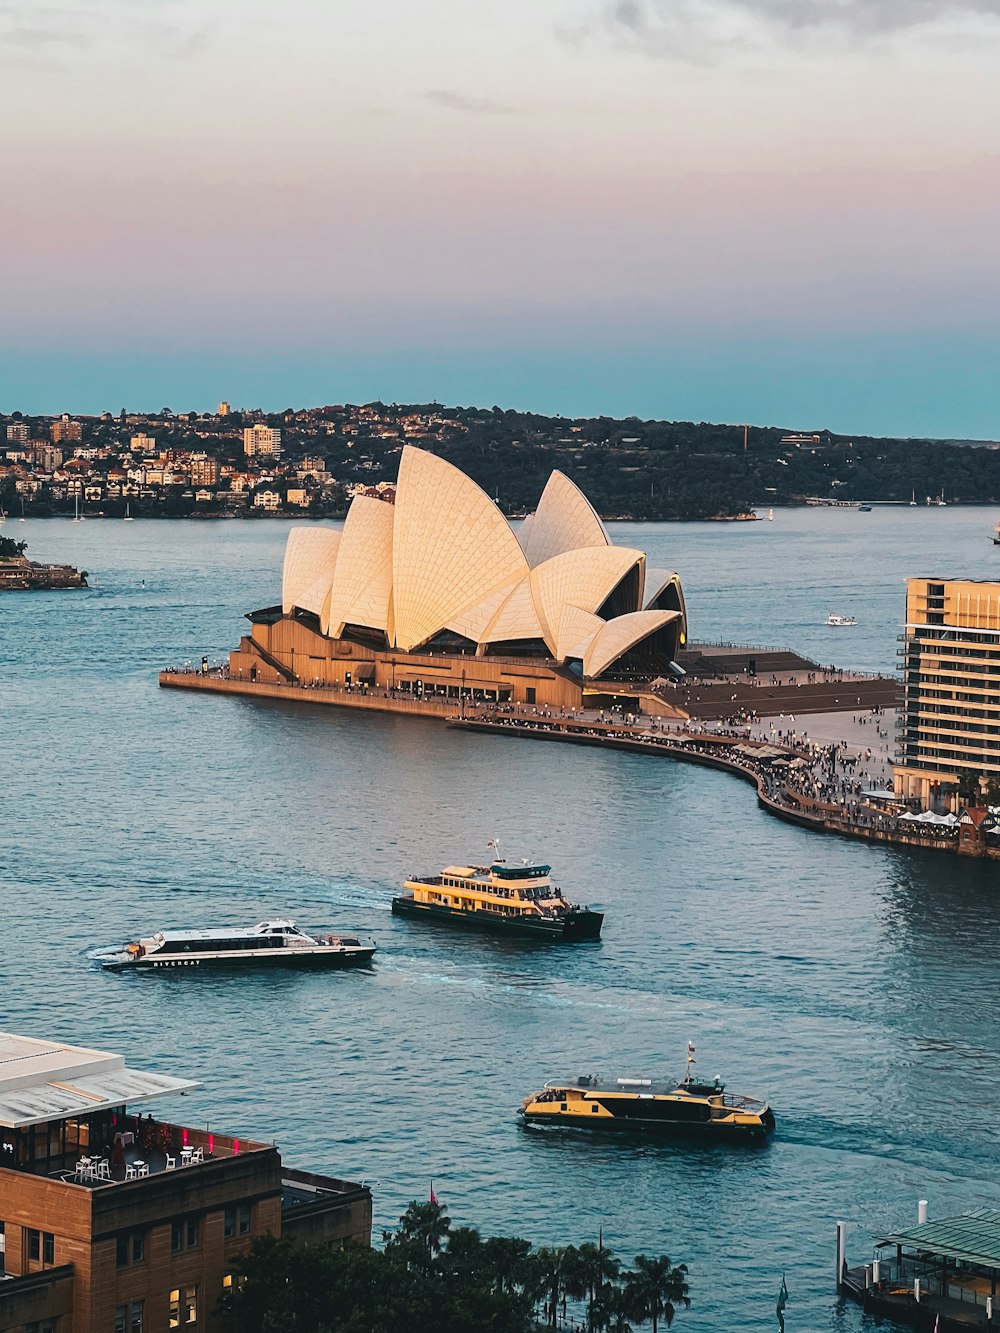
589,1270
655,1289
10,549
549,1280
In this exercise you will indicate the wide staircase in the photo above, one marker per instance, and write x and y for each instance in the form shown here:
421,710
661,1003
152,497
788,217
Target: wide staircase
250,645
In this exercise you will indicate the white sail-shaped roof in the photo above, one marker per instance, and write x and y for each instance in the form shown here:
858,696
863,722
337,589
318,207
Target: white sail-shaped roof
516,619
309,553
621,634
576,632
564,521
473,622
362,582
584,578
451,547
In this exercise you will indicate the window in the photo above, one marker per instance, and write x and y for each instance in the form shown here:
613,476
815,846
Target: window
244,1219
183,1234
174,1312
34,1244
190,1305
131,1248
46,1326
128,1318
229,1223
48,1248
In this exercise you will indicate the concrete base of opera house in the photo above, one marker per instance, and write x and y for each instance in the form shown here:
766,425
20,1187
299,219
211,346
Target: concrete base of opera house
215,682
288,652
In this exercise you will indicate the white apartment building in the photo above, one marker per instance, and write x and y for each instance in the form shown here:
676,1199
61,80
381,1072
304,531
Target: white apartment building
261,440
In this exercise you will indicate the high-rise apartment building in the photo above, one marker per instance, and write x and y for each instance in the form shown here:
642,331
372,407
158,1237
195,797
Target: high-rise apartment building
66,430
949,724
262,440
224,409
204,470
143,444
49,456
18,432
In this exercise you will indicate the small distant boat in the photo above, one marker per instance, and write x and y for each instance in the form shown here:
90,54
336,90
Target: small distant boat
941,502
770,516
274,943
77,517
913,499
128,514
841,621
864,509
996,535
640,1105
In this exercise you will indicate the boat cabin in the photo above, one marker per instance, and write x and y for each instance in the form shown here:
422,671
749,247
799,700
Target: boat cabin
510,890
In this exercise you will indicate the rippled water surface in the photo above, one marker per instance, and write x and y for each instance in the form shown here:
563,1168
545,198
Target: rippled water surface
854,987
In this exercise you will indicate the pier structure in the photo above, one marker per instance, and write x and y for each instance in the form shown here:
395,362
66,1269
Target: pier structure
939,1274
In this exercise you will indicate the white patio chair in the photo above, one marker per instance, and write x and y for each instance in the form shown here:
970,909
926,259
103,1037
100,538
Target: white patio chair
171,1163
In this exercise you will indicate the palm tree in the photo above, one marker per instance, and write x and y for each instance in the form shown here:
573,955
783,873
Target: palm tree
610,1311
656,1288
589,1270
427,1223
508,1260
549,1280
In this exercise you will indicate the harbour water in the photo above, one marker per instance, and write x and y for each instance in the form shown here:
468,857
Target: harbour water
853,986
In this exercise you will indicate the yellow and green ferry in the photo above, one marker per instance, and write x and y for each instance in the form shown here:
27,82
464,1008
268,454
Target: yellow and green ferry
504,900
640,1105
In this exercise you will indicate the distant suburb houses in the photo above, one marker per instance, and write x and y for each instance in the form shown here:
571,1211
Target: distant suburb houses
225,464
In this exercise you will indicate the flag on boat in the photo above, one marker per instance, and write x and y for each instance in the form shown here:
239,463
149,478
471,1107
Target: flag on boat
434,1197
782,1302
690,1052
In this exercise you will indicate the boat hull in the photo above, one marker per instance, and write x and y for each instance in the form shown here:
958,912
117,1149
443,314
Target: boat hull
325,959
571,928
712,1131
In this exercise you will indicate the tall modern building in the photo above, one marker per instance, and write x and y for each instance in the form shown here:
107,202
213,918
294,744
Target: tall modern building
112,1221
262,440
949,723
65,430
437,595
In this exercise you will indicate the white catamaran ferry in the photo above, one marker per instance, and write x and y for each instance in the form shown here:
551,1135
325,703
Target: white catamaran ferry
276,943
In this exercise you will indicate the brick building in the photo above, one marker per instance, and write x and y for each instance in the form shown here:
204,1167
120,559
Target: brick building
113,1222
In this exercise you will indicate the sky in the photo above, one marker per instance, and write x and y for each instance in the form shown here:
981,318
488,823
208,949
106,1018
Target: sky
775,211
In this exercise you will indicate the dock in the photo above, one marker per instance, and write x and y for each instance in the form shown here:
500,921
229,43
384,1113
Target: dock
937,1275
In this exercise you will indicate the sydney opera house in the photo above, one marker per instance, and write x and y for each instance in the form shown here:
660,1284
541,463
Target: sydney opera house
438,595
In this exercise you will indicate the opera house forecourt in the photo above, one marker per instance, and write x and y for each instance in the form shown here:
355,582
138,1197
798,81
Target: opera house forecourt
436,597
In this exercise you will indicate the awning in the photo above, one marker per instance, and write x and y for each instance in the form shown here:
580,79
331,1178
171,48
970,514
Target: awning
364,671
973,1238
42,1081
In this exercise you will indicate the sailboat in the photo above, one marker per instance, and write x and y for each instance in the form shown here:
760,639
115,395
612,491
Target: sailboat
941,502
77,517
996,535
913,499
128,513
21,519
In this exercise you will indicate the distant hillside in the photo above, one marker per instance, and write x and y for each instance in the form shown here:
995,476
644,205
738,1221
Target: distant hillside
628,468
